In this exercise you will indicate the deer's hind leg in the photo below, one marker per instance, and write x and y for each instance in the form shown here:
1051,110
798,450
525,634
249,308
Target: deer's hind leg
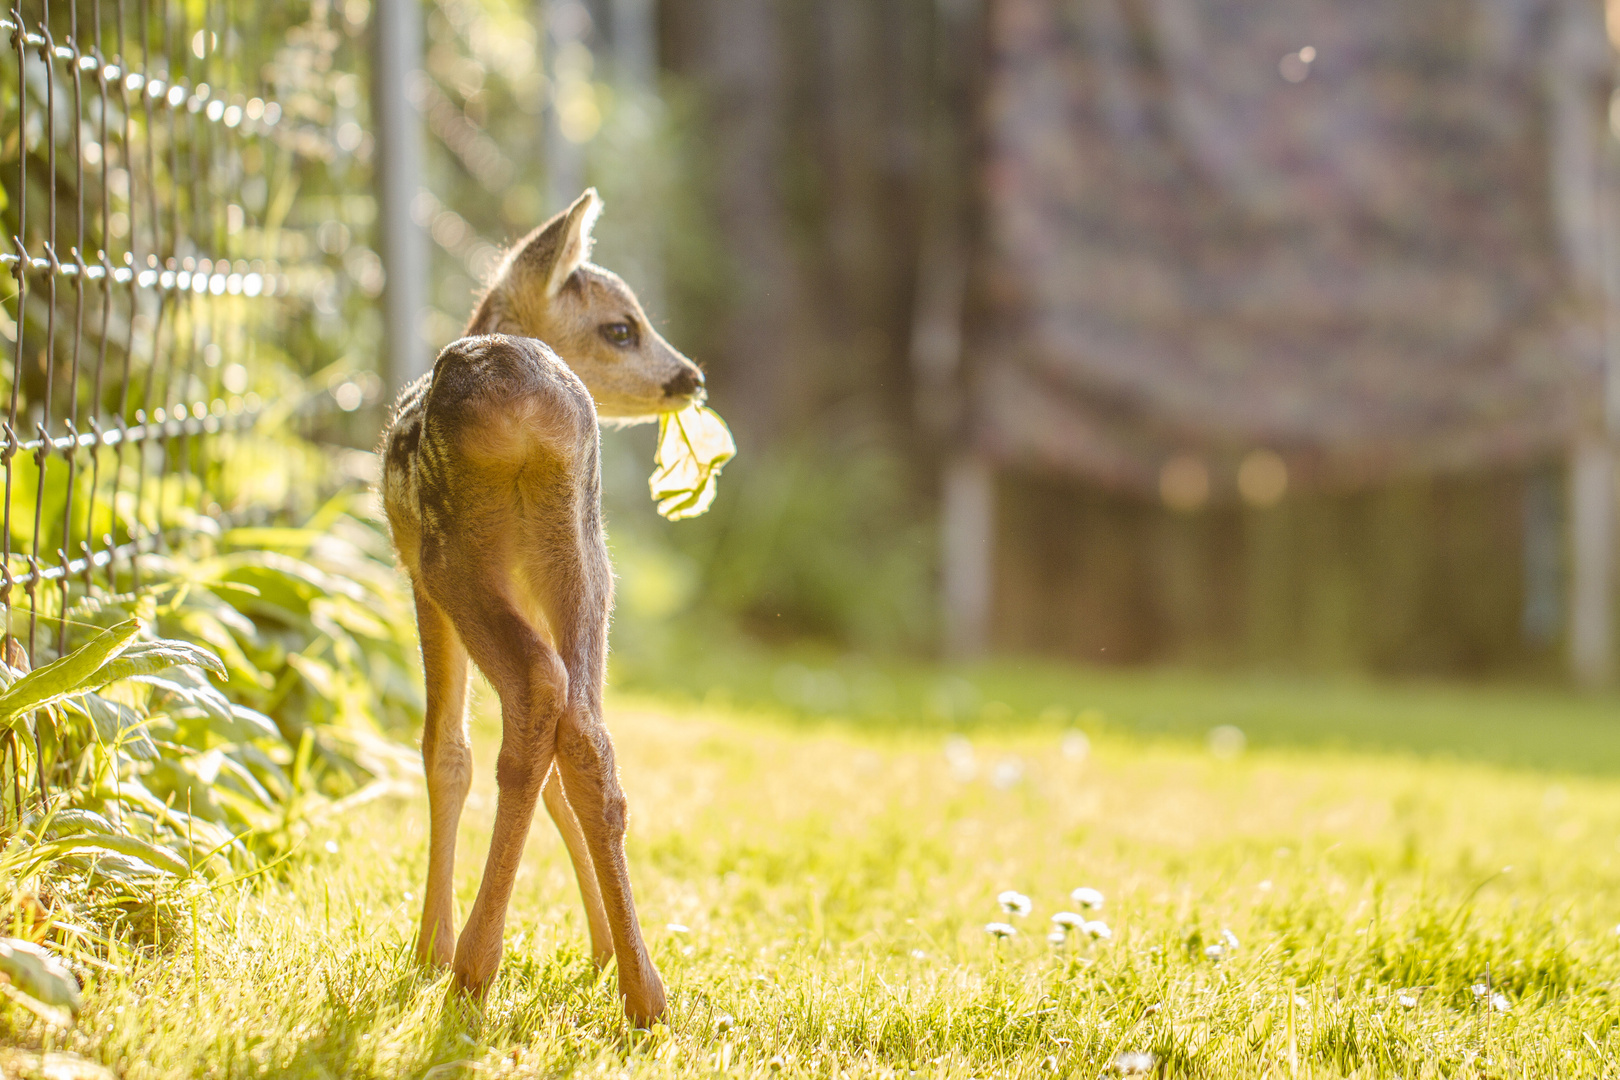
532,684
577,593
584,870
585,757
447,763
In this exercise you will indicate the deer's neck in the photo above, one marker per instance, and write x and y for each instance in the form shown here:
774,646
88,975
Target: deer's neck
492,316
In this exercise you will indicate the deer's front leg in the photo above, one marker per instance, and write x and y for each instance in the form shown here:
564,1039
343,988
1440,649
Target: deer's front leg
585,757
447,764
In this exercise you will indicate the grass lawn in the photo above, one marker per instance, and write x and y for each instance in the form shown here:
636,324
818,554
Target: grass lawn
816,892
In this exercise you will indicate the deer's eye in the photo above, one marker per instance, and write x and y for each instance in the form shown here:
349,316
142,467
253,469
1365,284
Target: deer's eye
619,334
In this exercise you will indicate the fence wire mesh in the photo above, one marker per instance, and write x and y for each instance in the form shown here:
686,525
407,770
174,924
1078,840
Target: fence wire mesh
177,186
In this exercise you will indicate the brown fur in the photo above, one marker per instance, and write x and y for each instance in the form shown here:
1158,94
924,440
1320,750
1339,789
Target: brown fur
491,483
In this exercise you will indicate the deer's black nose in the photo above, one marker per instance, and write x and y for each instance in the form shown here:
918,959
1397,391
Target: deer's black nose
683,383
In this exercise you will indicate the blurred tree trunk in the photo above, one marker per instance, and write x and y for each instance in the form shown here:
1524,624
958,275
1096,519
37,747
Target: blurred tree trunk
826,121
733,50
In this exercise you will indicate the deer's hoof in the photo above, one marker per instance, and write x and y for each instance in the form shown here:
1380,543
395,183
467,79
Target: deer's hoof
474,983
475,967
645,1005
436,946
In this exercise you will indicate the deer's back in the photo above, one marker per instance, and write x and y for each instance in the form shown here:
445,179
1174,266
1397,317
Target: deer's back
499,427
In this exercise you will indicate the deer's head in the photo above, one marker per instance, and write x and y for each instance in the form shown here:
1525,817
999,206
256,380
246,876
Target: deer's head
546,288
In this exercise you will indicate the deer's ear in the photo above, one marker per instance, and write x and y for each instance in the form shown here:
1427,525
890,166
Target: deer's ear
573,244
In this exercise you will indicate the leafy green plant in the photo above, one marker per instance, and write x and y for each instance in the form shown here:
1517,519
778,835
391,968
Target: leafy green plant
317,649
97,704
203,724
314,629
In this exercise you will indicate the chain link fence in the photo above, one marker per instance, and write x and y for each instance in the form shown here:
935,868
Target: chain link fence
178,194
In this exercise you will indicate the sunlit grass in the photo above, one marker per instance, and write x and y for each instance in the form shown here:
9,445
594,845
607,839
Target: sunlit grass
817,899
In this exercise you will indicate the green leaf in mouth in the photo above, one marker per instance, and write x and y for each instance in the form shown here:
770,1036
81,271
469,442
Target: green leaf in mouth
693,446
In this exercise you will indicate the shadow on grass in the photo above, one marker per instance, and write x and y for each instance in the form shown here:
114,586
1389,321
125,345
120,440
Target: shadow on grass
400,1016
1514,726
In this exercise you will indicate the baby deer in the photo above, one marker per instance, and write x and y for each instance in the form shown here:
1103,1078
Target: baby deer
492,487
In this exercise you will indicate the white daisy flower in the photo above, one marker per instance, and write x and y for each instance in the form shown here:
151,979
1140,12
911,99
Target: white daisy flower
1135,1063
1087,897
1014,903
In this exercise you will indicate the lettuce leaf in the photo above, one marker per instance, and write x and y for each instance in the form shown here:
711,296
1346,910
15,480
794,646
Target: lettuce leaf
693,446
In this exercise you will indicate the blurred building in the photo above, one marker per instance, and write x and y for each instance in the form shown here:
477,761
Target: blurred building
1286,331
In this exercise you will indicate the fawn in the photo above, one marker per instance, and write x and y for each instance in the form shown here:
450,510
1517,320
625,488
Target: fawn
491,482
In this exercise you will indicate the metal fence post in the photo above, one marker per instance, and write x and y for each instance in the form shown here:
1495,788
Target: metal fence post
397,46
565,27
